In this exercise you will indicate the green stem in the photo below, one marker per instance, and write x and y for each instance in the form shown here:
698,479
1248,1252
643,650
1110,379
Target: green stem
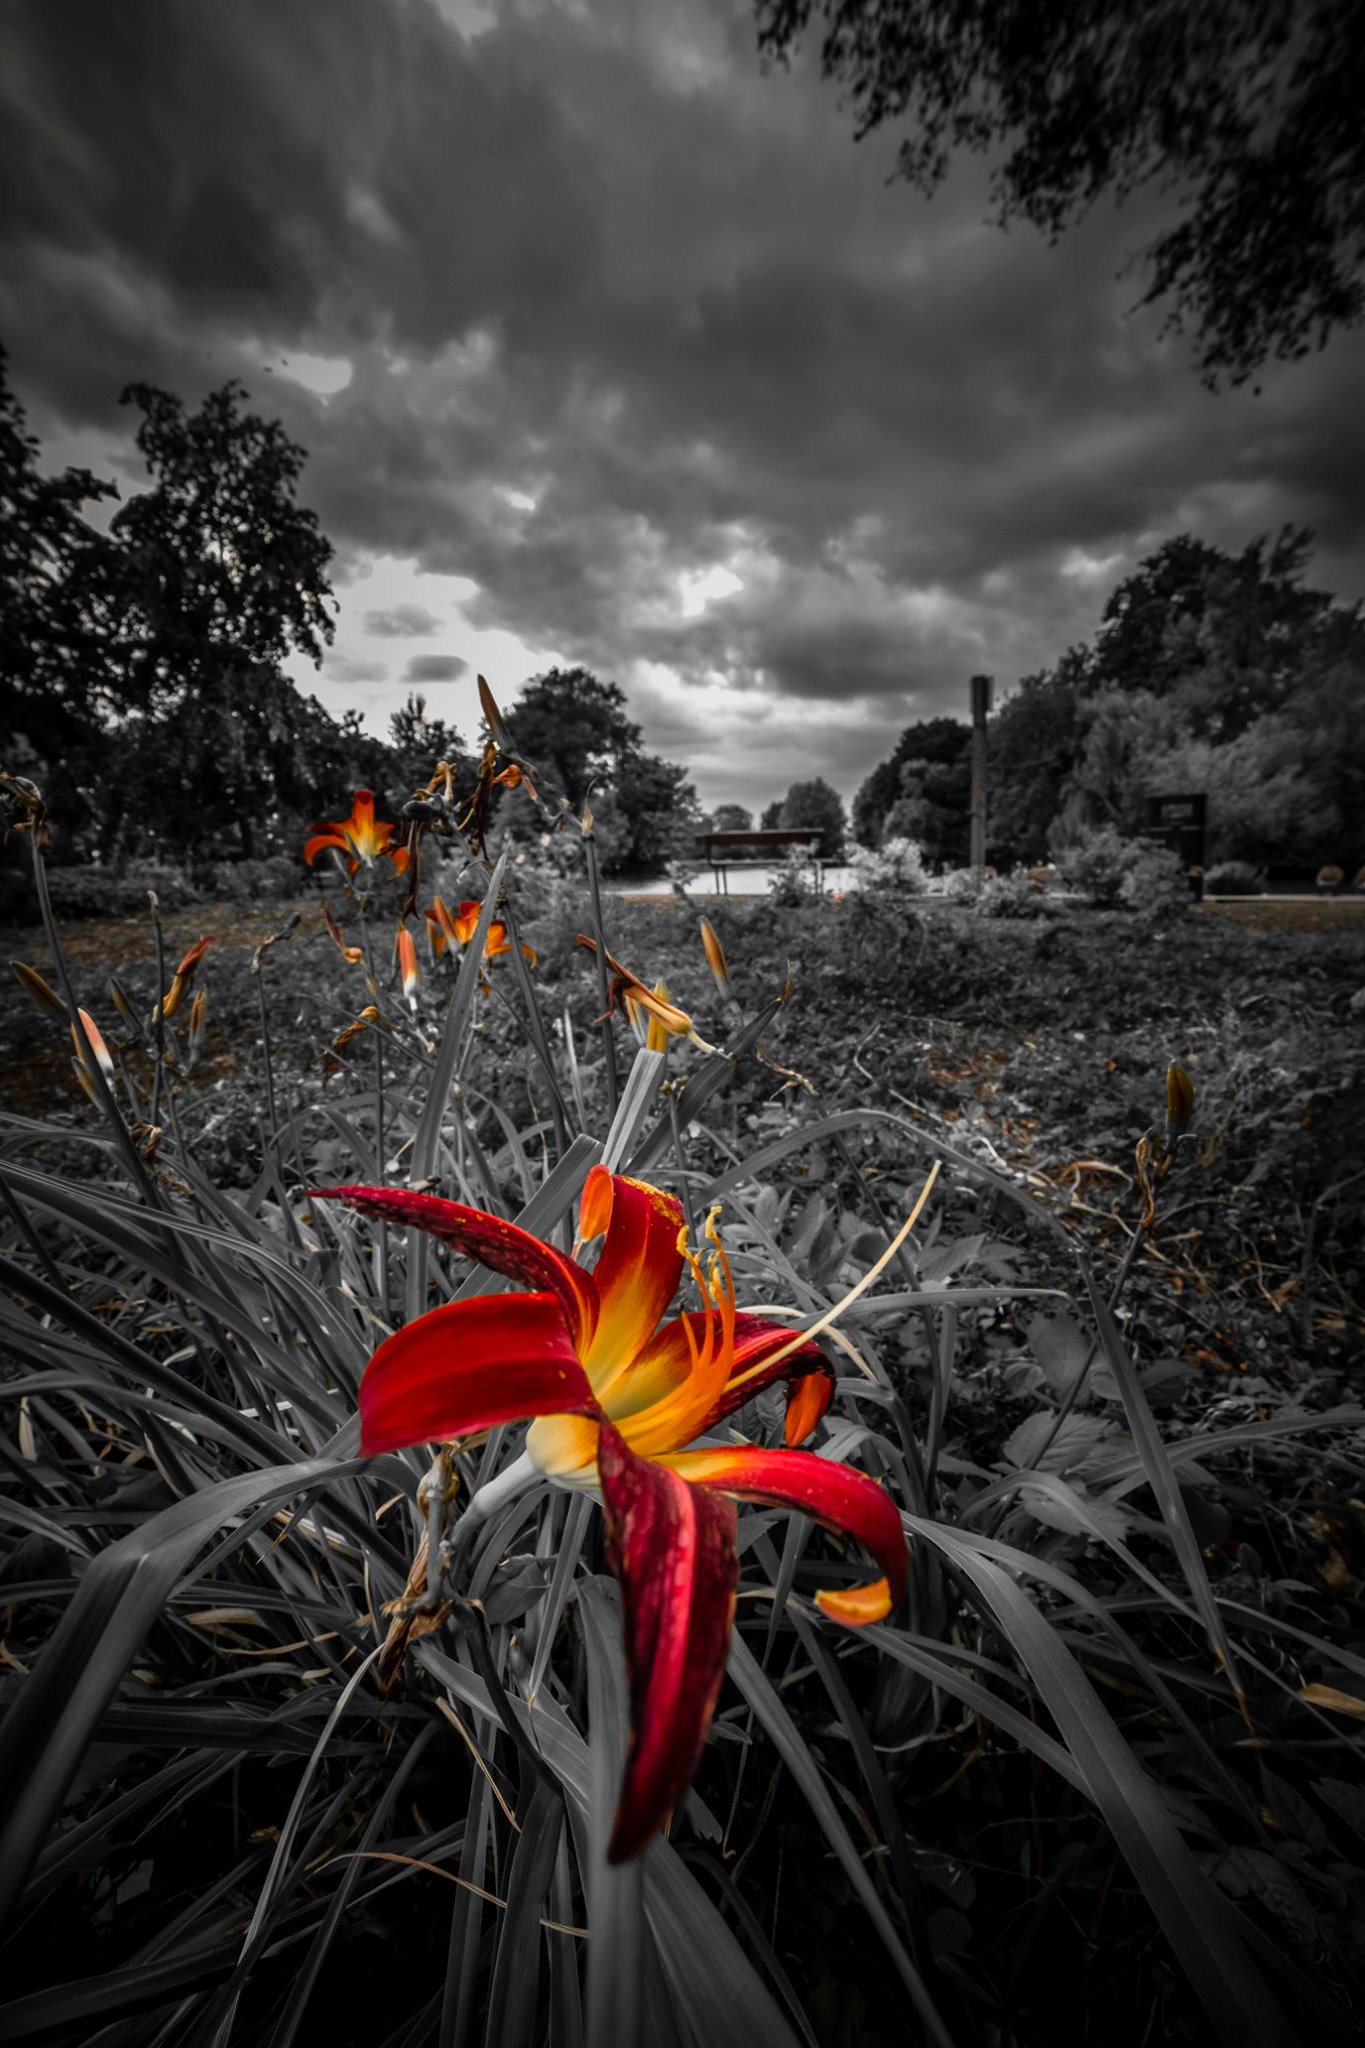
599,932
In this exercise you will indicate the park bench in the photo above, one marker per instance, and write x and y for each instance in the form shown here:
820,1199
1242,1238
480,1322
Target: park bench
724,850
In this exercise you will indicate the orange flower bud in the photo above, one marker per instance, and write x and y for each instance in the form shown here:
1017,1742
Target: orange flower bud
97,1047
184,974
41,991
715,955
407,963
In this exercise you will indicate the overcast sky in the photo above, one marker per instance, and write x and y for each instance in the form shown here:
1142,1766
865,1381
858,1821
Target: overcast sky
608,348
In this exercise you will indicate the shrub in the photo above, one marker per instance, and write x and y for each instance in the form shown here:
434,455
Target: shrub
1157,881
89,891
793,883
1011,895
959,885
1097,865
1234,878
896,868
277,877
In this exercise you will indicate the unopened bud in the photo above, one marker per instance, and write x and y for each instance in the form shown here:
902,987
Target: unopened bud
96,1042
1179,1104
41,991
715,955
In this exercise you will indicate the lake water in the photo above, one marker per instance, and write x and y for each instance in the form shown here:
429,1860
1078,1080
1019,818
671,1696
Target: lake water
744,878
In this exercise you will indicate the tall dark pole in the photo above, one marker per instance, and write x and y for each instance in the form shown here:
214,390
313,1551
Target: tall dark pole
981,705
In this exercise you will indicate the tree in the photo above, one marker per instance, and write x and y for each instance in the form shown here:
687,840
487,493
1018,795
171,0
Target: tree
928,743
1031,747
659,809
934,809
1250,109
814,803
771,821
731,818
217,575
221,567
51,651
574,729
420,742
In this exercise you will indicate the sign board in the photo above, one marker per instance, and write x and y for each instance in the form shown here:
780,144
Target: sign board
1178,821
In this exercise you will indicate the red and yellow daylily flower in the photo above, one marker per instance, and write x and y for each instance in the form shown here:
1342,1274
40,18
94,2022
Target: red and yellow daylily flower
361,837
614,1400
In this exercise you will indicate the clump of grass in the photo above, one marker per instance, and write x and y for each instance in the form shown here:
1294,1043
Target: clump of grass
274,1774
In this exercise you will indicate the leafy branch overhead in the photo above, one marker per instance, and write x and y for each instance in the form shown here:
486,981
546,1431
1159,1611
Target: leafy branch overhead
1245,112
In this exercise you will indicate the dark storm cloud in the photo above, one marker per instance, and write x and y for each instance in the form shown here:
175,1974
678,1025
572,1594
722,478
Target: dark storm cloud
402,622
435,668
619,309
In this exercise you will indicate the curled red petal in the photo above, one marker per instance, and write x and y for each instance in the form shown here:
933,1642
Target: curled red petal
637,1272
471,1365
672,1546
839,1496
503,1247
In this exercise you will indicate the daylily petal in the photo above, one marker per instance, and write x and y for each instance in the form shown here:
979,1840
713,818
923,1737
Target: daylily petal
839,1496
637,1273
325,836
470,1365
660,1374
672,1546
564,1447
503,1247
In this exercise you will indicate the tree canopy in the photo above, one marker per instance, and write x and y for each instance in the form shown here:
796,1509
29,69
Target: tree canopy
1248,110
816,803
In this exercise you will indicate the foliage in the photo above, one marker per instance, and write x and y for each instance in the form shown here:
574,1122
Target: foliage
815,804
222,569
574,727
51,660
1098,864
1031,744
896,867
575,731
942,744
1119,1700
1209,671
1248,110
1011,895
731,818
793,882
1157,882
419,741
1234,878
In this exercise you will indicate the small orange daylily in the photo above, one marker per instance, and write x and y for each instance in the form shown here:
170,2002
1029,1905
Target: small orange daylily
460,926
628,988
361,837
648,1029
184,975
614,1400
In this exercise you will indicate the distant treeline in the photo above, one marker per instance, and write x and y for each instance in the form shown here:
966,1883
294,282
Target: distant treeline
1209,671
